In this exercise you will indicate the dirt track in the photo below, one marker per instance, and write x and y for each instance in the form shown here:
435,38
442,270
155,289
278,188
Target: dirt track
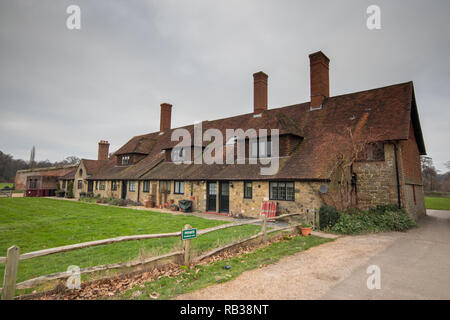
305,275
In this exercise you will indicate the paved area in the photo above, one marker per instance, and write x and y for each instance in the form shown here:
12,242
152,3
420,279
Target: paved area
414,265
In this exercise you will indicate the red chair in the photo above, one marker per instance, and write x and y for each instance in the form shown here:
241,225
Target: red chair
269,209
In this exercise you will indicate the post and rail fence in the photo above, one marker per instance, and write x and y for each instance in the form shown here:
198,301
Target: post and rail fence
13,254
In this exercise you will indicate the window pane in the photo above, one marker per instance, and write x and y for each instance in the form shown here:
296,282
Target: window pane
290,193
247,189
281,191
254,149
273,190
262,148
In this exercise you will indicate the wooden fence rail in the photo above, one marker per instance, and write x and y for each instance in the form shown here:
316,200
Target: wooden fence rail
13,257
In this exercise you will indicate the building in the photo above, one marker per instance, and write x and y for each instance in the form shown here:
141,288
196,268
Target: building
41,182
361,149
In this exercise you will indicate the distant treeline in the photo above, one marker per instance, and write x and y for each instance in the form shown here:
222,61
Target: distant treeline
9,165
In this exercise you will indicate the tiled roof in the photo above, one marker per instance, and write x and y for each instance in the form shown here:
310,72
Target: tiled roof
382,114
70,175
93,166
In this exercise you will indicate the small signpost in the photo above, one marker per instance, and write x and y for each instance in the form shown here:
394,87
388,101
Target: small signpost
187,234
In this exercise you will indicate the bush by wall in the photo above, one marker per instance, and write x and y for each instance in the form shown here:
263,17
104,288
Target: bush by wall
379,219
328,216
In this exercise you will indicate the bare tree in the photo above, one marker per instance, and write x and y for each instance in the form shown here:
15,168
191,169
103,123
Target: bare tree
429,173
32,156
344,149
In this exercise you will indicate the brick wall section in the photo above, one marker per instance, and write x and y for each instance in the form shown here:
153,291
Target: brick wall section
103,150
259,92
165,117
319,78
411,159
411,178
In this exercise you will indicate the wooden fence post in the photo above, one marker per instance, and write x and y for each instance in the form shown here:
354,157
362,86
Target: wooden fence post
9,280
187,248
264,228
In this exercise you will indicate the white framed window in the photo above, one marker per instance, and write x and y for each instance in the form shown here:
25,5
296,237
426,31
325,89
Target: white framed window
178,187
263,149
125,160
146,186
178,155
132,186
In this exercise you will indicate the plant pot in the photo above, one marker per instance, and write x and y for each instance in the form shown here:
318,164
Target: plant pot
305,231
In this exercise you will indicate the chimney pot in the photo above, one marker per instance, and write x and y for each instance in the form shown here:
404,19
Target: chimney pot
320,79
259,92
103,150
166,117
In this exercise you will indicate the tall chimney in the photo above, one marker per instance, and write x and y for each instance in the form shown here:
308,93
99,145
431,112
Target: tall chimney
103,150
320,79
259,92
166,116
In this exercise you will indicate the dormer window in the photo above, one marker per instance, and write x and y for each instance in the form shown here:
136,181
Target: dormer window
125,160
261,148
178,155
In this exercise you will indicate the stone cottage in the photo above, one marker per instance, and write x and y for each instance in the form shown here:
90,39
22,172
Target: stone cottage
372,137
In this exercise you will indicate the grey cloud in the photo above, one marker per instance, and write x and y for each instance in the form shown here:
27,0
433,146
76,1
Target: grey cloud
64,90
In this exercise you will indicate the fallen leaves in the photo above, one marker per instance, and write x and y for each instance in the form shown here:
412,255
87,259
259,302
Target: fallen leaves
115,286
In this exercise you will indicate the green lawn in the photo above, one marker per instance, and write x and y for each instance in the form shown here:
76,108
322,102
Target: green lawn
204,275
37,223
437,203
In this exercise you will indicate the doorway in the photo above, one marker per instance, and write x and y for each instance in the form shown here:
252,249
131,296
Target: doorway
224,200
211,196
124,189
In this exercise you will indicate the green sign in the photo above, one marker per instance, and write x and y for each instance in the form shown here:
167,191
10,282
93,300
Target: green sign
189,234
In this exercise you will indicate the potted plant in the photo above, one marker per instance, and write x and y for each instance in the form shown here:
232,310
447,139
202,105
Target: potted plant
306,229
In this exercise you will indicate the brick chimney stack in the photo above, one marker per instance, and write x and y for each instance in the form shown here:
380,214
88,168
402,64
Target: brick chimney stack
166,116
259,92
103,150
320,79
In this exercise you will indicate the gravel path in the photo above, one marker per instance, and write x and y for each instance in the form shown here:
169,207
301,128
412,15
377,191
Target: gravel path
305,275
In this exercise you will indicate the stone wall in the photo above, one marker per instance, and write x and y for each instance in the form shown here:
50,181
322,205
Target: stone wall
307,199
376,180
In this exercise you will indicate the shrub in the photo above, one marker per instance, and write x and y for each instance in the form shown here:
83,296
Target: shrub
379,219
69,193
114,202
328,216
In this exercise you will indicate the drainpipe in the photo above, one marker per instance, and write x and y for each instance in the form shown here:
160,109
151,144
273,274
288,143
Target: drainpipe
399,200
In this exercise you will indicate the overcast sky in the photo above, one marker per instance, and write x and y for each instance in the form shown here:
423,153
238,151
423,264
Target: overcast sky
64,90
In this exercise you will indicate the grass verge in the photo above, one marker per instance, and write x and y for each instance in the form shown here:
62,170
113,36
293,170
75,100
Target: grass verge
437,203
38,223
205,275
